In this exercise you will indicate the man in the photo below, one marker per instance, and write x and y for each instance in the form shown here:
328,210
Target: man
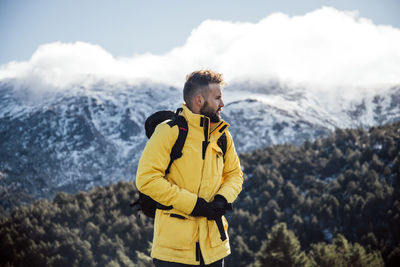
199,185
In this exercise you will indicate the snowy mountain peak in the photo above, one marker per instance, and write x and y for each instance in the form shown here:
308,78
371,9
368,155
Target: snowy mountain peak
73,140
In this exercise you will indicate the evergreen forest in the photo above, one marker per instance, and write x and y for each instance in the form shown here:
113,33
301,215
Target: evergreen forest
331,202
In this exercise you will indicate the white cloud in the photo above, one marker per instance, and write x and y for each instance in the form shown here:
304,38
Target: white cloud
324,50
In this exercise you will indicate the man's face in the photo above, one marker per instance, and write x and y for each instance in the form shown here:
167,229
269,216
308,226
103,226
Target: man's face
213,103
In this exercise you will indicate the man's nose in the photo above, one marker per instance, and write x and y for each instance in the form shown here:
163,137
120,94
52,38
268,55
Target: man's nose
221,104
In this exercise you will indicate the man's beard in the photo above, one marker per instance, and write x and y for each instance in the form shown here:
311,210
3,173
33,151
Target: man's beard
207,111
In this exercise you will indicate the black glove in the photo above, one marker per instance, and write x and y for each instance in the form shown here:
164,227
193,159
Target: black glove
219,205
203,208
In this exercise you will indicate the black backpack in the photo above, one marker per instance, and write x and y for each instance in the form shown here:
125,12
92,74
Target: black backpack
146,204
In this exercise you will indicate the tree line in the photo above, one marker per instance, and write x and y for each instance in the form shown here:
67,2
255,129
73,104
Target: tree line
347,184
331,202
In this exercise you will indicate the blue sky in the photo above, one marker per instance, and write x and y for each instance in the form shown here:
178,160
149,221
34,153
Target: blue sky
126,28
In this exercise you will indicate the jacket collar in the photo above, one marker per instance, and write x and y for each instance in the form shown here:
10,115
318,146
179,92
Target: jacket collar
201,121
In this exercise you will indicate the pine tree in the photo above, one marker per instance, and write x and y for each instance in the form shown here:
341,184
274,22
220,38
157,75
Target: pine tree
341,253
282,249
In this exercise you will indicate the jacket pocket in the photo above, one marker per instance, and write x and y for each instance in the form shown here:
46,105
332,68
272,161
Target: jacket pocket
218,160
176,231
214,234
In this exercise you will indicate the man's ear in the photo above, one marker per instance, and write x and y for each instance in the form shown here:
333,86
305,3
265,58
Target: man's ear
199,100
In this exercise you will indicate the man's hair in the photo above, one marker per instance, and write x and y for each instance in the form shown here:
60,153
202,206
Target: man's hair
199,80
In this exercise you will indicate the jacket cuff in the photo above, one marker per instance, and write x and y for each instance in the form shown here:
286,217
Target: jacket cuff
186,202
226,193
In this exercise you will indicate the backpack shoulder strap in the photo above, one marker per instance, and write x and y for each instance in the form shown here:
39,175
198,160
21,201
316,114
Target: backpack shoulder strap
176,151
222,143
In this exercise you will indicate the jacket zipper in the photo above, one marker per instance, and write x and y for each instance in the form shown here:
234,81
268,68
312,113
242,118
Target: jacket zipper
205,123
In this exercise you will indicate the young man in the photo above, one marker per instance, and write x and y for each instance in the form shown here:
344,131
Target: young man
199,185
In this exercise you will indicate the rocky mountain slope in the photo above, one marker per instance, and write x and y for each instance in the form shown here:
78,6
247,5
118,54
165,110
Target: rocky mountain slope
75,139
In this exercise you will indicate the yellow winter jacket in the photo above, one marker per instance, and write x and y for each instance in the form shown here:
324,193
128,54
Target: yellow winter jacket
198,173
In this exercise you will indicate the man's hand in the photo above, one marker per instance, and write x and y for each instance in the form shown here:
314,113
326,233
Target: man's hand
219,205
212,210
205,209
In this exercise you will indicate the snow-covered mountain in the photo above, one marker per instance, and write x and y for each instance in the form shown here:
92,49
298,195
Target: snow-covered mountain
292,116
73,140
